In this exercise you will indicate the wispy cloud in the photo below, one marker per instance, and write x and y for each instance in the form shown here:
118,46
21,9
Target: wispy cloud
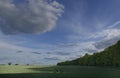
114,25
94,41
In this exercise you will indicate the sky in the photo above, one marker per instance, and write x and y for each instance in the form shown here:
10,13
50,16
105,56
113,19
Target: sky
50,31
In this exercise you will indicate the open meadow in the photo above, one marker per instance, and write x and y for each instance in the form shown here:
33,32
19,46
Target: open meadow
58,72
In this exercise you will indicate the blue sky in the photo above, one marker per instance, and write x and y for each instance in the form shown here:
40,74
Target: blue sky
51,31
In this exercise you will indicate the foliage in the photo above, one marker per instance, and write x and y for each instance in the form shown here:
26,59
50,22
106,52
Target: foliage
109,57
27,64
16,64
9,63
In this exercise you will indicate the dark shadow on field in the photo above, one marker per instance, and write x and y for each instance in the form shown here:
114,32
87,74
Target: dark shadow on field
68,72
75,69
51,69
59,75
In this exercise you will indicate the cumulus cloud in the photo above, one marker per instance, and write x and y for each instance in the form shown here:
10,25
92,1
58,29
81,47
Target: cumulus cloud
106,43
33,16
108,37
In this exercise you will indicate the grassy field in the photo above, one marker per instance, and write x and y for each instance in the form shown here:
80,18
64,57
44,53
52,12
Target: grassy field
58,72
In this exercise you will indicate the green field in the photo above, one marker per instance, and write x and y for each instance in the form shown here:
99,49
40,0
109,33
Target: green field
58,72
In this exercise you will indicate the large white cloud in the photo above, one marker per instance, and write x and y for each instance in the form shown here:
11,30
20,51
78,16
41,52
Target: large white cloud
33,16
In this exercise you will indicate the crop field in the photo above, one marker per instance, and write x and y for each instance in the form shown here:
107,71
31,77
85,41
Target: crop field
58,72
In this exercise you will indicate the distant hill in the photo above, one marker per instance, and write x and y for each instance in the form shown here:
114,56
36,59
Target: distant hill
109,57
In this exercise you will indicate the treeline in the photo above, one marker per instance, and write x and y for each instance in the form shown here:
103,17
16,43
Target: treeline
10,63
109,57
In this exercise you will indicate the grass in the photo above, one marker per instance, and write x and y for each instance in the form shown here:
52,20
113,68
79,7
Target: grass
58,72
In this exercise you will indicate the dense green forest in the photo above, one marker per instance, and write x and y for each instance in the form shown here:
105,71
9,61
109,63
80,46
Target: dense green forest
109,57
